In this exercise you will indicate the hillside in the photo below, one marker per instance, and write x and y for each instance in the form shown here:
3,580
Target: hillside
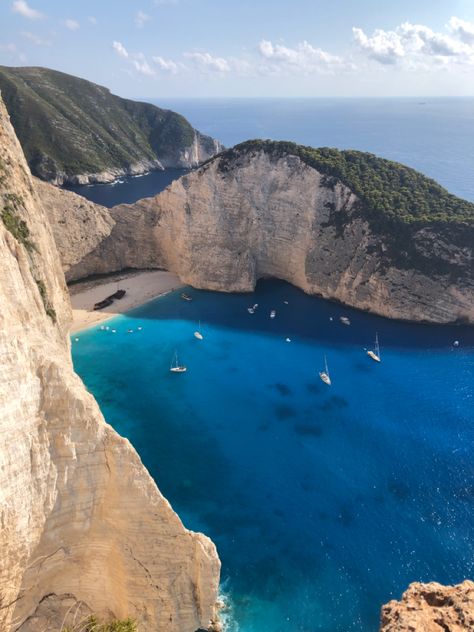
74,130
346,226
388,191
84,530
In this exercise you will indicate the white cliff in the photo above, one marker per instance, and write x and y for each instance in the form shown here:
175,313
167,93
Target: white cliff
82,522
231,222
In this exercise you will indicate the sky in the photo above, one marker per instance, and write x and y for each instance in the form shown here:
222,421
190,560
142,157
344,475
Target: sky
248,48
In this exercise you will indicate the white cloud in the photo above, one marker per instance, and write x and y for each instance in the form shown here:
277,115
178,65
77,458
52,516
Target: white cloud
120,49
417,45
72,25
141,19
208,63
462,29
23,8
385,47
142,66
93,20
168,65
303,58
36,39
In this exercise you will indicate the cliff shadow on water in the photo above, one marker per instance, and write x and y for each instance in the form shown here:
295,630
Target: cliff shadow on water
324,502
313,318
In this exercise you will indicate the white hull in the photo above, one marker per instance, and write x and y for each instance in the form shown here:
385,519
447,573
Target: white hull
373,355
198,335
325,378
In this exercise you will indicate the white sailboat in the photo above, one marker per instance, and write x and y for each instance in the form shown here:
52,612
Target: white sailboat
324,375
175,367
375,354
273,313
198,334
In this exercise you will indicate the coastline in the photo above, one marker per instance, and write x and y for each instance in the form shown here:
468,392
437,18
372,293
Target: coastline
140,286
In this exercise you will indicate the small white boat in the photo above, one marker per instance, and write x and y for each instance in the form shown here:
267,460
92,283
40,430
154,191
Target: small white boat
273,313
198,334
251,310
456,343
175,367
287,339
186,297
324,375
344,320
375,353
255,305
285,302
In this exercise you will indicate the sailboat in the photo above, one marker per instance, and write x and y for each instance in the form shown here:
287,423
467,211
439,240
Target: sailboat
175,367
375,354
198,334
324,375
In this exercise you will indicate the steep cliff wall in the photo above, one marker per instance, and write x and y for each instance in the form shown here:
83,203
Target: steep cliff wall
431,608
82,523
73,130
253,213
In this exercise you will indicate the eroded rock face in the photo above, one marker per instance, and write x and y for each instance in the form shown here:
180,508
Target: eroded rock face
224,228
431,608
83,525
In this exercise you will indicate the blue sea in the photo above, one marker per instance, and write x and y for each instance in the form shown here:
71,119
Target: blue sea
434,136
324,502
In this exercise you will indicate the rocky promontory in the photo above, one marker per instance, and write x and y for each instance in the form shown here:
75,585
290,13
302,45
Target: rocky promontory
431,608
84,529
346,226
75,131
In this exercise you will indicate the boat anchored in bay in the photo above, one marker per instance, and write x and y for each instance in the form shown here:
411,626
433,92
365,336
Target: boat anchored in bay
324,375
375,353
198,334
175,366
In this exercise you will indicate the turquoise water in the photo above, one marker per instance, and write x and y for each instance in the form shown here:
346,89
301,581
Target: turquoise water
324,502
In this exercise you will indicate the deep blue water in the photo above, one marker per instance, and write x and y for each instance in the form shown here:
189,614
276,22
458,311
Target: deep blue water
128,189
324,502
435,136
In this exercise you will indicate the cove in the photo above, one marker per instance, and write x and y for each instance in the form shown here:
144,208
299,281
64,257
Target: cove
324,502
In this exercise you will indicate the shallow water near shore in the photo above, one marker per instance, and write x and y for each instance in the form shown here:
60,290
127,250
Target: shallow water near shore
324,502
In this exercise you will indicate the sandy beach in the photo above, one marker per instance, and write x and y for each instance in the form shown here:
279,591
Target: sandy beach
140,288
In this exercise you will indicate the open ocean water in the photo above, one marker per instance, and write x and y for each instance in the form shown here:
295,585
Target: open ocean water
324,502
434,136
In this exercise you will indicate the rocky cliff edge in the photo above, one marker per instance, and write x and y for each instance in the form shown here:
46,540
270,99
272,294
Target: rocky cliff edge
83,526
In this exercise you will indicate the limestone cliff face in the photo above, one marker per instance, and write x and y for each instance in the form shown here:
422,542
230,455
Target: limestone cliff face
431,608
83,525
224,226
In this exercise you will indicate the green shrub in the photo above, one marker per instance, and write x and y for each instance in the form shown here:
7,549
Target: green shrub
91,624
390,193
16,226
49,309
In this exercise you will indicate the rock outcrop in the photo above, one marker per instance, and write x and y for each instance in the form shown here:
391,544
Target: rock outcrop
83,526
75,131
251,214
431,608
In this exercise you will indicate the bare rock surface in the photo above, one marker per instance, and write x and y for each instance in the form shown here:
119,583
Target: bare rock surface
431,608
223,229
82,522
